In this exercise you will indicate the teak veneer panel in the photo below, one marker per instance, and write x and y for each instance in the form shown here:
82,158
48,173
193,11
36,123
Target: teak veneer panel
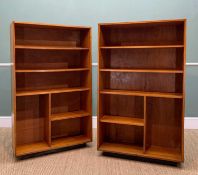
141,94
51,87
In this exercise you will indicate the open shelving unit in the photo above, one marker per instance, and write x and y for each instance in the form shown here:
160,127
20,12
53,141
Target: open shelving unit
141,90
51,87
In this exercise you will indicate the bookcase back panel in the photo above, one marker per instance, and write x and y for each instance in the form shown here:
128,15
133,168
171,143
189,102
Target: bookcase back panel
123,106
29,35
30,81
164,118
142,81
31,116
49,59
163,58
67,102
123,134
67,128
160,34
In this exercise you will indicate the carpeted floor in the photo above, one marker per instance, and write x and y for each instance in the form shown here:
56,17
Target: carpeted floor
88,161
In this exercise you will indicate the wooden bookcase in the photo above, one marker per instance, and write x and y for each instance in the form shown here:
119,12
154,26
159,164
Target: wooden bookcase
141,88
51,87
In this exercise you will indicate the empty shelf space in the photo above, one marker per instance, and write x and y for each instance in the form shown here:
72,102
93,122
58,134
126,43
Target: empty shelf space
69,141
31,148
142,93
49,47
142,70
122,120
141,47
48,91
69,115
121,148
164,153
53,70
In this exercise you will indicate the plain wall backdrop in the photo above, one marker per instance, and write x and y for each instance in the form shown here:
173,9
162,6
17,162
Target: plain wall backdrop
90,13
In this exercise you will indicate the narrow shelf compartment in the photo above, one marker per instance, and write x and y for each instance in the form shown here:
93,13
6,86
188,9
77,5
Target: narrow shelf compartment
122,120
142,70
69,115
49,47
69,132
142,47
164,153
31,148
32,124
142,93
119,138
69,141
49,91
52,70
164,118
121,148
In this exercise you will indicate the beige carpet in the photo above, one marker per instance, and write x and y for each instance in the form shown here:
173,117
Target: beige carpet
88,161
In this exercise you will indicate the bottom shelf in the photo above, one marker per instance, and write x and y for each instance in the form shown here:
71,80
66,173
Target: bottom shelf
69,141
152,152
171,154
31,148
121,148
56,143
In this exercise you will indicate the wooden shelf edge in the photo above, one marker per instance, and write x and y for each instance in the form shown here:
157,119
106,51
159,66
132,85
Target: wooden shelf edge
51,70
138,151
49,47
50,91
143,70
69,115
142,46
142,93
122,120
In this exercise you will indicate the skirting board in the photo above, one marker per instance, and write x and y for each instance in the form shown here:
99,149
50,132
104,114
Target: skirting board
189,123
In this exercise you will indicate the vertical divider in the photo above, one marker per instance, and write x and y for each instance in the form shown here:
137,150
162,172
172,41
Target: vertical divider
49,121
145,125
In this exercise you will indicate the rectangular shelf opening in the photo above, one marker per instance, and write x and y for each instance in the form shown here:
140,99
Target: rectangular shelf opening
138,35
143,82
32,123
122,109
69,132
120,137
145,59
49,80
164,118
69,105
49,60
35,36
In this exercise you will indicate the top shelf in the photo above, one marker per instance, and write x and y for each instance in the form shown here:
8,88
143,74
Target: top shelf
141,47
49,47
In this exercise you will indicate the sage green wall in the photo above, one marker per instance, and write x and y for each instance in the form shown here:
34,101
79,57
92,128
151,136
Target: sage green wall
90,12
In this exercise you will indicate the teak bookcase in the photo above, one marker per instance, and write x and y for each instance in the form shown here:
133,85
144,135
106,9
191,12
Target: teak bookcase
141,89
51,87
